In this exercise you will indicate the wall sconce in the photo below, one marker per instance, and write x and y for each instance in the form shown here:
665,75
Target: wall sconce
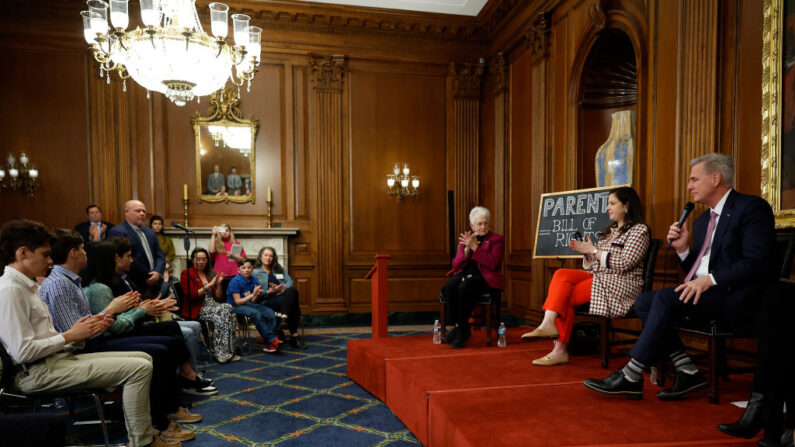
19,177
400,184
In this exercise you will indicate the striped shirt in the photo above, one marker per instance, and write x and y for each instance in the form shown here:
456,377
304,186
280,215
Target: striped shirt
62,293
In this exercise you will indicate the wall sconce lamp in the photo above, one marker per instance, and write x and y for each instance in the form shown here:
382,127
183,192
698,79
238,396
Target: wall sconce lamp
19,177
401,184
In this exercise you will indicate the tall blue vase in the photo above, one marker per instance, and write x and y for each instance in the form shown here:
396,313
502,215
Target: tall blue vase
615,159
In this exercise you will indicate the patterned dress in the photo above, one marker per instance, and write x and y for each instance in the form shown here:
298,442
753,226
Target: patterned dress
206,308
618,276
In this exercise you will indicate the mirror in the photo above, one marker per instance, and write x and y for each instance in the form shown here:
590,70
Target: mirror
225,147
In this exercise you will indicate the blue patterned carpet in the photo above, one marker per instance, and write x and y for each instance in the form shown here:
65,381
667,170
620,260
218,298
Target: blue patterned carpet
301,398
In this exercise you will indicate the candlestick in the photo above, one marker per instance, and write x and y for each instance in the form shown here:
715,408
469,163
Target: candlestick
185,191
185,210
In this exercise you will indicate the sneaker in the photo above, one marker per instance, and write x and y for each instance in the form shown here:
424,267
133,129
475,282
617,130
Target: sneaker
175,432
273,347
184,416
201,382
206,391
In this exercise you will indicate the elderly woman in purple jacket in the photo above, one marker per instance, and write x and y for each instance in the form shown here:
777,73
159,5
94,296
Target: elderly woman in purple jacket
477,268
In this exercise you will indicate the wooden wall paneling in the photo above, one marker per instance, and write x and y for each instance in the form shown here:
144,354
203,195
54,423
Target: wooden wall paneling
464,81
300,147
747,93
396,117
659,205
499,72
45,117
698,87
327,73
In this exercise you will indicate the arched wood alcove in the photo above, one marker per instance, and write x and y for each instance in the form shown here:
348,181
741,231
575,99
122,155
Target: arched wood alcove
608,84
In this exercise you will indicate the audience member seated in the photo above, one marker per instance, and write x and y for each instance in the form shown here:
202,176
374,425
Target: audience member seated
234,184
775,368
149,262
223,259
243,293
95,229
165,243
62,293
617,263
200,286
96,277
28,334
729,264
120,284
280,295
215,182
477,267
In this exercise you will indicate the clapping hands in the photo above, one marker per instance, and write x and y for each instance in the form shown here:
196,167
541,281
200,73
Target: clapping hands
469,240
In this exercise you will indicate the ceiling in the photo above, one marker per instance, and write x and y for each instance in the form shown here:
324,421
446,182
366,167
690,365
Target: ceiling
459,7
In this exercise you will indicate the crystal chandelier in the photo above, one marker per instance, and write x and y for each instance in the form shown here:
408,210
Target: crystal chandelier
401,184
172,54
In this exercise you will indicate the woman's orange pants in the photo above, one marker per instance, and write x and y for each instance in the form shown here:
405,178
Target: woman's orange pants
569,288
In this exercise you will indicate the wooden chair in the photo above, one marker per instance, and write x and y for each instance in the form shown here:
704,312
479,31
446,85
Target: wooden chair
715,332
606,324
489,302
7,388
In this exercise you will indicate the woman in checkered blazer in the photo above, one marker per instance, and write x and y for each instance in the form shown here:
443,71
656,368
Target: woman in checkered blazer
617,263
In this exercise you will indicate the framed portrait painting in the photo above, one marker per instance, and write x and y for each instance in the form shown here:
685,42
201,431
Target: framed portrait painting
778,109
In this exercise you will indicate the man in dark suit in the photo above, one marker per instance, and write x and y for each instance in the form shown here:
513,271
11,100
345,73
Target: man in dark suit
728,266
149,262
95,229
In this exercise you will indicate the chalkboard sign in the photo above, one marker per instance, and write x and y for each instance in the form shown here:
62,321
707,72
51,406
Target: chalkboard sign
562,214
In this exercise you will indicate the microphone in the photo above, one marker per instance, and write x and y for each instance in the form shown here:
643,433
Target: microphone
185,229
685,213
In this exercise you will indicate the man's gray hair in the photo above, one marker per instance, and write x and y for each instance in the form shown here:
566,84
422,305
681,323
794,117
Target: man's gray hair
479,211
715,162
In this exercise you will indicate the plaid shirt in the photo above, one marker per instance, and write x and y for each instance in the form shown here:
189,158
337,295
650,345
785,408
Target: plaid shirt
62,293
619,282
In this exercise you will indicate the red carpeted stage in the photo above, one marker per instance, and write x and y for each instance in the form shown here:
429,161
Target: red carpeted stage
490,396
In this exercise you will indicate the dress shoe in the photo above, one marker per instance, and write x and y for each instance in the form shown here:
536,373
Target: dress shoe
175,433
552,361
750,422
616,385
684,383
787,439
451,335
459,342
538,333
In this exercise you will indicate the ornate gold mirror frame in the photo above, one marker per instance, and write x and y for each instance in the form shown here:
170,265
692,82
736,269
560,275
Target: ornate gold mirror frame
778,129
224,119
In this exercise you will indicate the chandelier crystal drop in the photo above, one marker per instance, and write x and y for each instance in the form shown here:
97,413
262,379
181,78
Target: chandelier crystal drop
171,54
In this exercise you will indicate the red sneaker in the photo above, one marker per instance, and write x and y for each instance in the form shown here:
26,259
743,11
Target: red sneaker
273,347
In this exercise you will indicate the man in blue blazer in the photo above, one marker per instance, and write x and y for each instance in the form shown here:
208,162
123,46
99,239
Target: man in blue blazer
95,229
728,267
149,262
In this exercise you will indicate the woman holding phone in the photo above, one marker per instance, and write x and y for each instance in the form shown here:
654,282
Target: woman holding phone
279,293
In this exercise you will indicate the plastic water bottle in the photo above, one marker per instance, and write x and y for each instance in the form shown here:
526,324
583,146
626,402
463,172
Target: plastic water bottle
437,333
501,341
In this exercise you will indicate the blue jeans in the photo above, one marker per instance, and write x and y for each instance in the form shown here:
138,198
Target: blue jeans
191,331
263,319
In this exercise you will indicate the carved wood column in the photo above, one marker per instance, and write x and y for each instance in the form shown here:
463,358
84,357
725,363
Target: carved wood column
465,80
538,42
697,103
499,76
110,148
327,74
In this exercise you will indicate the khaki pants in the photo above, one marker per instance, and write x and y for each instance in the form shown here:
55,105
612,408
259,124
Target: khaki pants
131,370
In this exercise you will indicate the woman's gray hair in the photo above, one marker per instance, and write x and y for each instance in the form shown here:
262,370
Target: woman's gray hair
479,211
715,162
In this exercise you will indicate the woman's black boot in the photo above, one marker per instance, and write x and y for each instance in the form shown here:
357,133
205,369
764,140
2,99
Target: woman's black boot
750,422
